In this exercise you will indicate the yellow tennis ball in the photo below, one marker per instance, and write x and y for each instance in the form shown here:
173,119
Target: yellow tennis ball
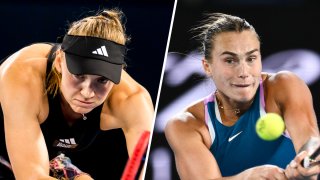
270,126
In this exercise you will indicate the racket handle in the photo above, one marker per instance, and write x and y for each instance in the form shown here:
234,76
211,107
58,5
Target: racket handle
133,163
313,145
315,153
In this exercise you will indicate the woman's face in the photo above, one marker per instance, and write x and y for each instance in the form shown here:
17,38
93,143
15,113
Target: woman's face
235,66
83,92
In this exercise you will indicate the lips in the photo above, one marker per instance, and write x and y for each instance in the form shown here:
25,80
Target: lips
85,102
242,85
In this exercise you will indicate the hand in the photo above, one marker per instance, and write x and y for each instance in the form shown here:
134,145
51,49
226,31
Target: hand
62,168
295,171
83,176
264,172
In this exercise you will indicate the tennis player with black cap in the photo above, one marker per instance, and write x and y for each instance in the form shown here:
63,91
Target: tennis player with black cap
108,63
57,98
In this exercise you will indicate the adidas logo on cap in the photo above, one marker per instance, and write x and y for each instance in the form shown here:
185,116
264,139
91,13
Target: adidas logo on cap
101,51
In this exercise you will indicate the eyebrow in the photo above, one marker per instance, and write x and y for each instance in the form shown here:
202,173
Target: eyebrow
234,54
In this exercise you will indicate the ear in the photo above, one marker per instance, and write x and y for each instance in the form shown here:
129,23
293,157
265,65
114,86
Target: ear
207,67
58,60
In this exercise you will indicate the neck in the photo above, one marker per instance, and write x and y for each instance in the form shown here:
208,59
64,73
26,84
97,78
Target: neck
68,113
231,110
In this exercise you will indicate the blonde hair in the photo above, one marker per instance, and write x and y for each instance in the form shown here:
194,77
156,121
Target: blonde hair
106,25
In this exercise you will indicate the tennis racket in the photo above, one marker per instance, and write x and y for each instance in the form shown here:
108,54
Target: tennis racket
313,147
133,165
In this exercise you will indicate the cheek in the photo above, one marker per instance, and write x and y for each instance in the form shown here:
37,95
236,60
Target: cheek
256,72
257,67
68,86
223,74
67,82
103,91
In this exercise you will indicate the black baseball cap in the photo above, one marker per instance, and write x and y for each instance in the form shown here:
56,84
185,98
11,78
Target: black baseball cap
92,55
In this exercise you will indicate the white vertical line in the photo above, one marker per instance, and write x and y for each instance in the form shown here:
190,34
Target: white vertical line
104,50
99,51
72,141
160,83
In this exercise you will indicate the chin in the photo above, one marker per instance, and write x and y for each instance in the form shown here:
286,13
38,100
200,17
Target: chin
245,97
81,110
248,94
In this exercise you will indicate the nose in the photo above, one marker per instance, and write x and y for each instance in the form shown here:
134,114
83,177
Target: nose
87,91
243,70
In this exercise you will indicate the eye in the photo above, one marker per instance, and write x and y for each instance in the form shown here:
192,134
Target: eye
102,80
79,76
230,60
251,58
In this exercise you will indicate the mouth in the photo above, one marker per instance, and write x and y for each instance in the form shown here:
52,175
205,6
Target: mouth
84,103
241,85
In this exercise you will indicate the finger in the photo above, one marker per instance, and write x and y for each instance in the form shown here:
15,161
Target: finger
291,171
280,174
306,172
286,171
300,156
315,163
293,164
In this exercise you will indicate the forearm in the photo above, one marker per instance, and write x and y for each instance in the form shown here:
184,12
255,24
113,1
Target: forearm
194,170
300,136
258,172
83,176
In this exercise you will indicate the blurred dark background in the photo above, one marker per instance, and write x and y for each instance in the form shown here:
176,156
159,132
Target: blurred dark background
147,23
289,31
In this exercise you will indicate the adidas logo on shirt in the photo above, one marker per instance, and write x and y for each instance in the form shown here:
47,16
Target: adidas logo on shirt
101,51
65,143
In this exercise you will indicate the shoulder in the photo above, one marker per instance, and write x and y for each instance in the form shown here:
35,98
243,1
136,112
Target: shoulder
179,126
127,92
283,78
189,119
33,51
26,64
180,122
129,104
282,82
23,75
188,124
285,88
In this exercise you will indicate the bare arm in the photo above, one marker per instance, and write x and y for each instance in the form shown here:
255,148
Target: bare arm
294,99
195,161
137,115
192,156
21,95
